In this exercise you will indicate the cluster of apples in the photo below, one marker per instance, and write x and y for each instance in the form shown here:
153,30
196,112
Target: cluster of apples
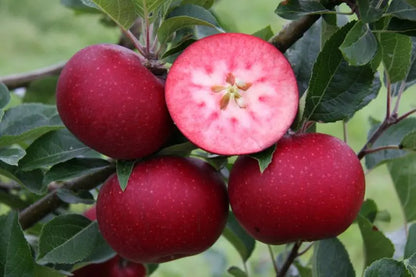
229,94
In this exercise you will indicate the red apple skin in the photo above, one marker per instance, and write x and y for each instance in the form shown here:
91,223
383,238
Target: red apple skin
313,189
172,207
115,267
112,103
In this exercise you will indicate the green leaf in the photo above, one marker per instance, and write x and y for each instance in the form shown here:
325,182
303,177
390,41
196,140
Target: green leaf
402,9
181,149
11,155
371,10
294,9
101,252
411,264
122,12
172,24
186,16
41,91
204,3
360,45
409,141
150,268
302,56
178,48
410,79
78,6
237,272
392,136
264,157
15,253
124,169
266,33
403,174
331,259
74,168
4,96
386,268
405,27
396,53
337,90
52,148
329,26
71,197
376,244
410,248
28,121
32,180
369,210
67,239
150,8
238,237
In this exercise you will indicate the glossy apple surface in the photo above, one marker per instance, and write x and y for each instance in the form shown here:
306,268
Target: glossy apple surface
313,189
112,103
172,207
232,94
115,267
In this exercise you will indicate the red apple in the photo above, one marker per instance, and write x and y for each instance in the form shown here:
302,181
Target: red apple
115,267
172,207
312,189
232,94
112,103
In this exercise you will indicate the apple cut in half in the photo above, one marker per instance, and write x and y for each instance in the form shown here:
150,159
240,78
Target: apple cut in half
232,94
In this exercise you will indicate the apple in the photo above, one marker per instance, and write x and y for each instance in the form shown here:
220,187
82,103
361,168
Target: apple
172,207
115,267
313,189
232,94
112,103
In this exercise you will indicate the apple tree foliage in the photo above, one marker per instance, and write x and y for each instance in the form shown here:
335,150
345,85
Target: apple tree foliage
342,52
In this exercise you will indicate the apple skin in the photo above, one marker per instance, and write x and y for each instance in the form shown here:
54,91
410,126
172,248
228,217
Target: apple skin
112,103
115,267
172,207
313,189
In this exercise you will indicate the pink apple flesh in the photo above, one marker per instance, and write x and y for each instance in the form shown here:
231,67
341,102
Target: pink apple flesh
313,189
232,94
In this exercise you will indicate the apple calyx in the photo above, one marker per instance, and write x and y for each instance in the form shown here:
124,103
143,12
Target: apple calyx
232,91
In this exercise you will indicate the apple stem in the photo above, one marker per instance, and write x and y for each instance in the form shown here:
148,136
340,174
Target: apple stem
390,119
148,31
136,43
290,259
300,253
276,269
345,131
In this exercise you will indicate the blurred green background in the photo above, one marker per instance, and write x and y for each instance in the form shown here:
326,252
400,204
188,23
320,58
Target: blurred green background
38,33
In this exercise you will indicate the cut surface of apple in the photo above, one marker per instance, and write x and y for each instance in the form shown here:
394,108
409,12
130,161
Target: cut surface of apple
232,94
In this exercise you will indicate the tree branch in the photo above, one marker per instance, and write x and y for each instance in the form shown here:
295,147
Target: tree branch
289,260
293,31
51,201
23,79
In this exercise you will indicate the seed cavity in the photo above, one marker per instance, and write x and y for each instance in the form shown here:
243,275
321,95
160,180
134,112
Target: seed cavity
232,91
